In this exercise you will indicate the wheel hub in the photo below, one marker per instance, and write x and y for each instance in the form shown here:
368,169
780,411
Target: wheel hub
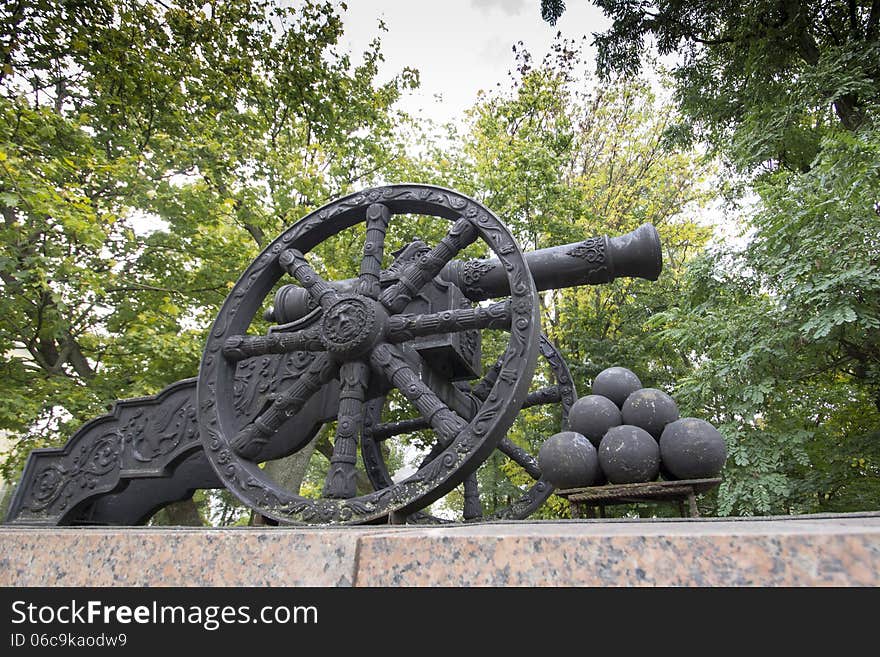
352,326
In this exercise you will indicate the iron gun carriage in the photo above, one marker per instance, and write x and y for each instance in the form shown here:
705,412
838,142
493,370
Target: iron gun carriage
335,352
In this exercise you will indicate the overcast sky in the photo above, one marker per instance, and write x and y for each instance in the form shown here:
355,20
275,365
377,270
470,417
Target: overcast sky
459,46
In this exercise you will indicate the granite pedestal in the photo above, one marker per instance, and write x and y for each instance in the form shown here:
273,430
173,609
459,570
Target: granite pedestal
826,550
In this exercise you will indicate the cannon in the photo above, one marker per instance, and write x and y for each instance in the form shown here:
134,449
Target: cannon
339,353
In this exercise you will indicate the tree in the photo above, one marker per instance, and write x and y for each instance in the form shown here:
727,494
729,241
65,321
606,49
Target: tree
147,151
750,75
785,343
782,332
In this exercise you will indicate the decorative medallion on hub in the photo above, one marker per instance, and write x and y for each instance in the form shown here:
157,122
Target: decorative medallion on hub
353,325
345,321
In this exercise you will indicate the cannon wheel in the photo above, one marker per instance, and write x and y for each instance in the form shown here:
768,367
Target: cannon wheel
562,392
356,340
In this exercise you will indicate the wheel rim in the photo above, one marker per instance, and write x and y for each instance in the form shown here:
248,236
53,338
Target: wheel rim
468,444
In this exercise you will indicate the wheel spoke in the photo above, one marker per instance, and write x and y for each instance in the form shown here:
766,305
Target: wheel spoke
402,328
388,361
250,440
520,456
240,347
526,461
540,397
506,446
435,451
295,264
378,217
341,482
482,389
543,396
473,508
371,449
386,430
416,274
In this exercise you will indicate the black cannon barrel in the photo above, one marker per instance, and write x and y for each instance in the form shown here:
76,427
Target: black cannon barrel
594,261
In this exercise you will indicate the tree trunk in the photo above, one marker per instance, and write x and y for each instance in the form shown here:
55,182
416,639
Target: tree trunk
6,491
846,106
183,514
290,471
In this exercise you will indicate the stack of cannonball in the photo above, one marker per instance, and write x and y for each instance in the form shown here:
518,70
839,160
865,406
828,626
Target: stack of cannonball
625,434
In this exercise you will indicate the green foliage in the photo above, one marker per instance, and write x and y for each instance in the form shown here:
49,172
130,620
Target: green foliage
780,332
784,342
551,10
761,82
147,151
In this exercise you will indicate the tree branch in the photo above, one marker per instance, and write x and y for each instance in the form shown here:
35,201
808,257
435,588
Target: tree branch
873,20
77,360
846,107
854,18
17,18
257,233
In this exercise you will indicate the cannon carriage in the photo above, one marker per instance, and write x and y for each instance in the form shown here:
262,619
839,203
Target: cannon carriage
334,353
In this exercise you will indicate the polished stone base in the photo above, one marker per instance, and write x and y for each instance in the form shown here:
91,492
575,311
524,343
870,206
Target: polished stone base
835,550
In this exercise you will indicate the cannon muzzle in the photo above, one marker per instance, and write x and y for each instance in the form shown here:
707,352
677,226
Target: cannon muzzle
594,261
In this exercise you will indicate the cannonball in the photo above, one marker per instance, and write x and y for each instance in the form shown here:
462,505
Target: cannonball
650,409
629,455
616,383
592,416
691,448
568,460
